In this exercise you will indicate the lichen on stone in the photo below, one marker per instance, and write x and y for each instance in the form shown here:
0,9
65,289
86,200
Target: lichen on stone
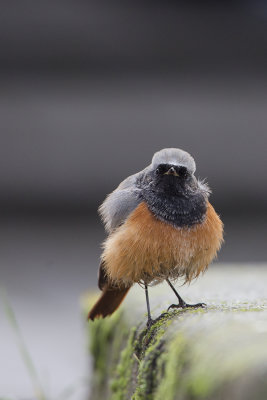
191,354
107,339
120,385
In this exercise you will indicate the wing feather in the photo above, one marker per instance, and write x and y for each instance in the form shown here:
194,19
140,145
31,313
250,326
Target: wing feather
121,202
115,210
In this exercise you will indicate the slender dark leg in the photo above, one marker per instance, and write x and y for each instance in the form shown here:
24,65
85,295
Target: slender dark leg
182,303
149,319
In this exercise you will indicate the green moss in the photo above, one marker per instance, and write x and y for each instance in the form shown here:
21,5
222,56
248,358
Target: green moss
172,363
150,347
107,339
165,361
121,383
189,354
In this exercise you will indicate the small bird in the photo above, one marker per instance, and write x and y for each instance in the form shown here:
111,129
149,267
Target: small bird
161,226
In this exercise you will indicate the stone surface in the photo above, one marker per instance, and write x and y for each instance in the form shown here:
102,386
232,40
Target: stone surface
215,353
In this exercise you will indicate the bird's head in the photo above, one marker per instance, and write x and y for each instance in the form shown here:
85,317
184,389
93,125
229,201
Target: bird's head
173,170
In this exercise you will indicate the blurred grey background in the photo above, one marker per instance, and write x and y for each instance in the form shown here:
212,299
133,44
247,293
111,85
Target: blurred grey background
89,91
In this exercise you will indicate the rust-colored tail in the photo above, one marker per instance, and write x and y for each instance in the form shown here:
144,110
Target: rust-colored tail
108,302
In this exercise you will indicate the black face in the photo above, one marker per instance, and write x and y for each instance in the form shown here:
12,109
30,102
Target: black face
172,194
172,179
172,170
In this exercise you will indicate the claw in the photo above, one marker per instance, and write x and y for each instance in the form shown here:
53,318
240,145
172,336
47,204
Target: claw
150,322
174,306
198,305
185,305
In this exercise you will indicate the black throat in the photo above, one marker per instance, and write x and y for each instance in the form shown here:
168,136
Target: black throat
177,203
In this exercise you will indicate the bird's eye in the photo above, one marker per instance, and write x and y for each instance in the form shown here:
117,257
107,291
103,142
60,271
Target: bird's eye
183,172
162,168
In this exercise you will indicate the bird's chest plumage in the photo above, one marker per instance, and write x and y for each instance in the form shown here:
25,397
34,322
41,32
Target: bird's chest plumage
179,210
147,249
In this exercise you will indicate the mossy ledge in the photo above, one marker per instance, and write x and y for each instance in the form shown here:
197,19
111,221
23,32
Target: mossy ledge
215,353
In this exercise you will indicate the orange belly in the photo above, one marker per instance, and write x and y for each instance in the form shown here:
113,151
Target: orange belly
145,249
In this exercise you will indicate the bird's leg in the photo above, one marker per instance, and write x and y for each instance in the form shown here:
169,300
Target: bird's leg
149,319
182,303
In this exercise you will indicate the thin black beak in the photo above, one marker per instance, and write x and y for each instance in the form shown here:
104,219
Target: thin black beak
171,171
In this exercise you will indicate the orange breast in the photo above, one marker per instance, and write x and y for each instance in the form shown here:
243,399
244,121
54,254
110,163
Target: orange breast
144,248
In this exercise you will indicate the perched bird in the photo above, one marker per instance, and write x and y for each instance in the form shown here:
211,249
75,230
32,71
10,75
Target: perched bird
160,226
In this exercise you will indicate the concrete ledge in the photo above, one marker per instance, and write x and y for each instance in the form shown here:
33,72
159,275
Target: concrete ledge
216,353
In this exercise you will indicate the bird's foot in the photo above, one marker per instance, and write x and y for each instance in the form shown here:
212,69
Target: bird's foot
150,322
185,305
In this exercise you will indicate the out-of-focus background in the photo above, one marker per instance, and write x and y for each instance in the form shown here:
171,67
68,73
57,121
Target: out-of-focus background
89,91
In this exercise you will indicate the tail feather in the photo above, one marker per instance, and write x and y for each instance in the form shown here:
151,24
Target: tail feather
108,302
